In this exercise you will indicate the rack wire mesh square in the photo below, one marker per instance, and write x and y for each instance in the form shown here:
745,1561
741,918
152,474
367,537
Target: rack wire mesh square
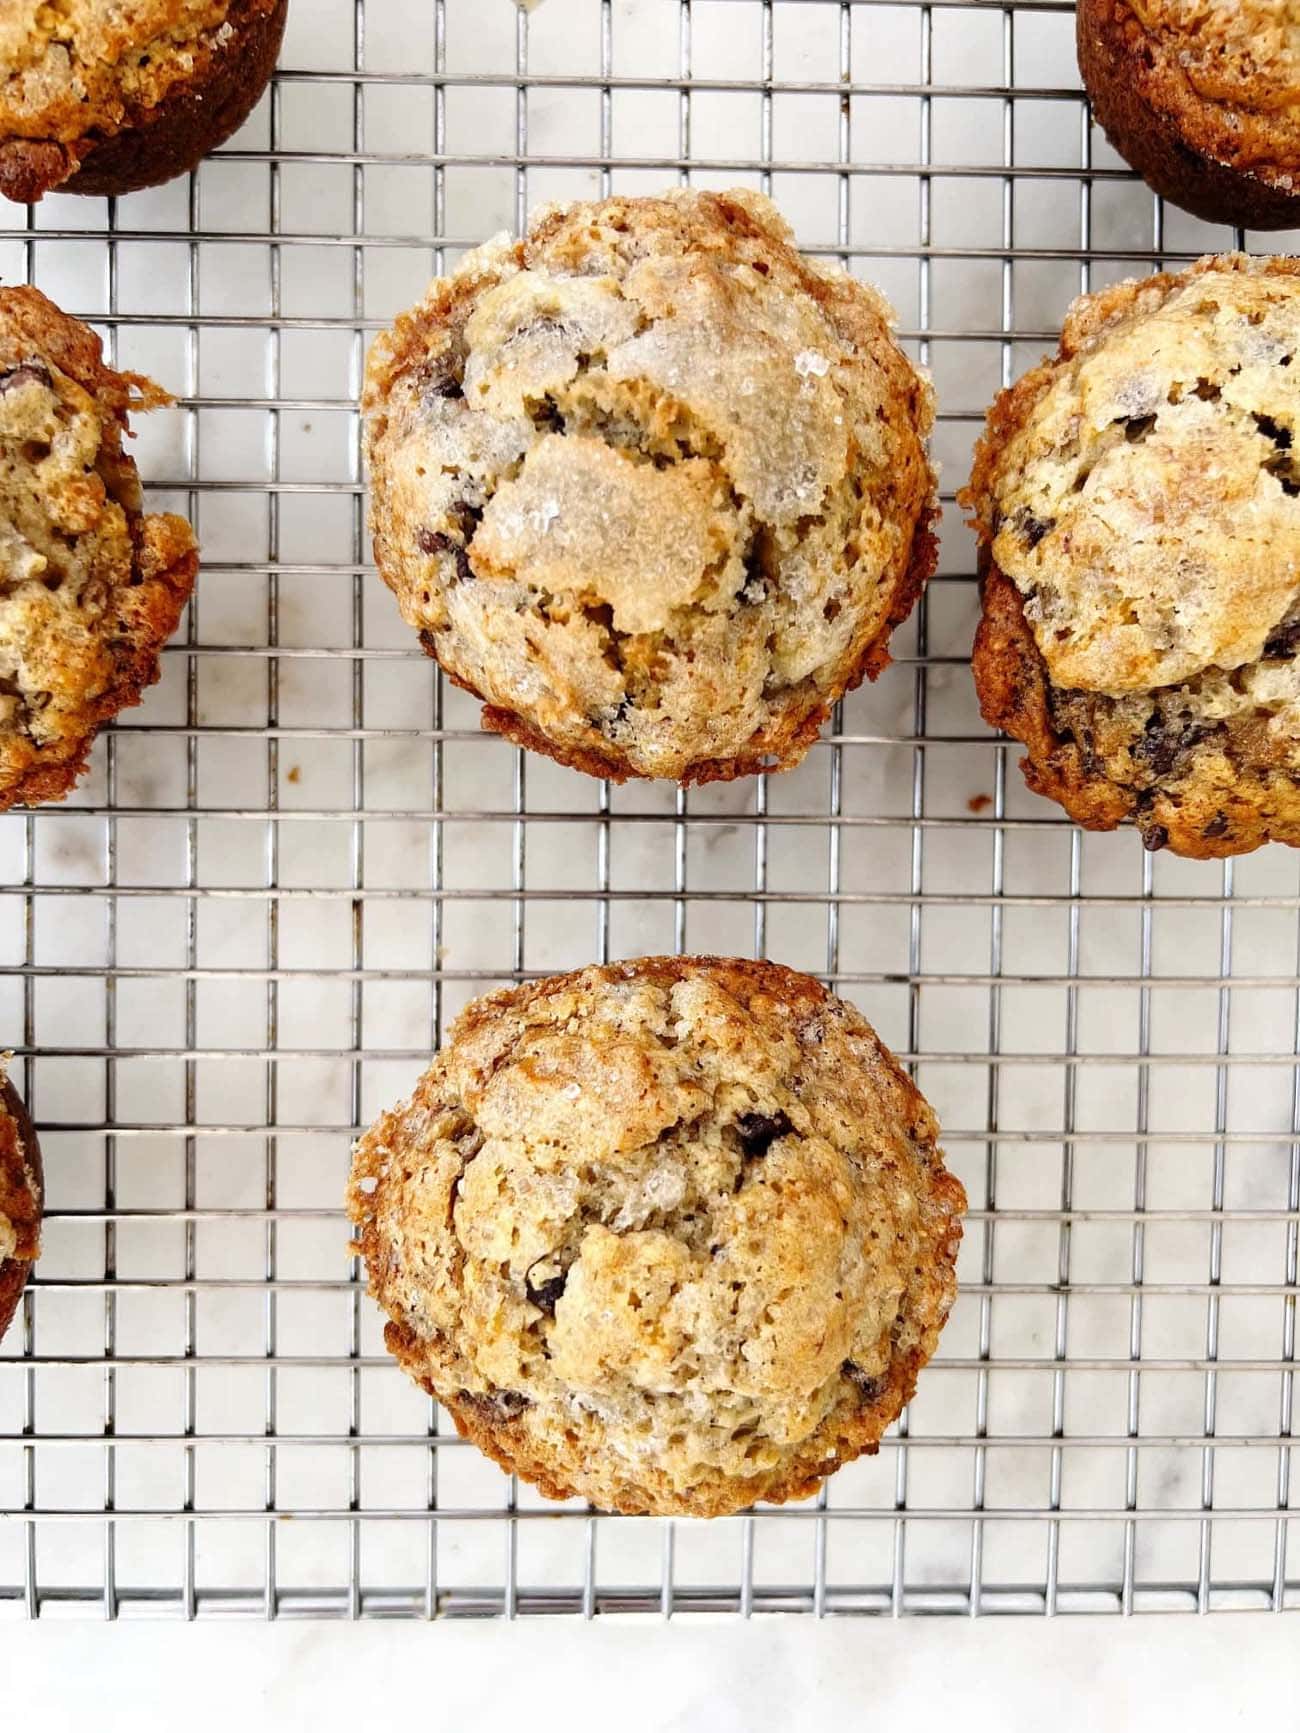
295,862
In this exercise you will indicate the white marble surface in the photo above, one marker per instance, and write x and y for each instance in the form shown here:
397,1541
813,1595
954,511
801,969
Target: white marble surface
999,1676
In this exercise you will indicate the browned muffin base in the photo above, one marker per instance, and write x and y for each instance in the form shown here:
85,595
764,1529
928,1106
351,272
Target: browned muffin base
157,144
1162,128
16,1198
1202,818
775,751
1012,681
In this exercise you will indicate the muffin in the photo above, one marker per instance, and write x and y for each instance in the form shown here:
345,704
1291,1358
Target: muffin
1137,501
651,484
91,587
670,1235
101,97
1202,97
20,1199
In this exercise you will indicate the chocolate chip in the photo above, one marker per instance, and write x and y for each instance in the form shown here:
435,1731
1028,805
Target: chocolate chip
611,717
1283,641
1165,741
759,1131
544,1294
435,542
440,378
1032,529
545,416
1282,466
1154,837
465,519
429,644
869,1388
1282,437
1218,825
500,1405
29,373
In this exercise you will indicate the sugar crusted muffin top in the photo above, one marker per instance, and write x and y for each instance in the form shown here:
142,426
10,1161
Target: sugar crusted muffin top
671,1234
89,587
1139,514
1147,505
80,67
651,483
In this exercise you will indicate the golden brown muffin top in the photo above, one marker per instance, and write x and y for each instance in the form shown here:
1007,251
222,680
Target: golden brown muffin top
1245,53
76,67
1140,488
674,1234
90,587
650,482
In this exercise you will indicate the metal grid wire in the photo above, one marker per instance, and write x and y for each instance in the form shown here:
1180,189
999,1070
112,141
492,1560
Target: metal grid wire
286,871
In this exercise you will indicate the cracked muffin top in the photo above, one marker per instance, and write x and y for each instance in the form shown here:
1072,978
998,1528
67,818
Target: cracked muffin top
1138,498
20,1198
90,588
651,484
672,1235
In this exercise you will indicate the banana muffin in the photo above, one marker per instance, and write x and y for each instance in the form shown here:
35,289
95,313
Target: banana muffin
651,484
671,1235
101,97
20,1199
1202,97
90,588
1137,501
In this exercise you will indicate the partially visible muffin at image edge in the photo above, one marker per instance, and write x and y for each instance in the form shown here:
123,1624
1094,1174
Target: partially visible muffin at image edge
651,484
21,1196
1137,500
100,97
90,588
671,1235
1202,97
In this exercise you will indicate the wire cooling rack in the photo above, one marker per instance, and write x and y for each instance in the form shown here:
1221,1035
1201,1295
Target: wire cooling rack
287,870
